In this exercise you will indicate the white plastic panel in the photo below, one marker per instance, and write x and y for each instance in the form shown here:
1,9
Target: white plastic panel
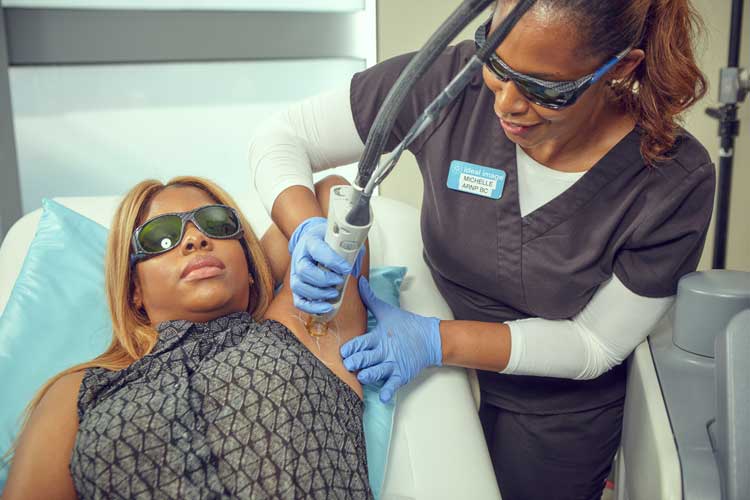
648,466
258,5
98,130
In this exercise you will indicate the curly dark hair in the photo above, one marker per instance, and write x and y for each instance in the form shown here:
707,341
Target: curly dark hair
667,82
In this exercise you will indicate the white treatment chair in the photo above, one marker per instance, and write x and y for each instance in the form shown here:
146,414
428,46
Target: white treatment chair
437,447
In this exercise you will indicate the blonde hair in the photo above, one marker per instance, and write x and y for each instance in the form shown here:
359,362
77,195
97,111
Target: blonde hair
132,335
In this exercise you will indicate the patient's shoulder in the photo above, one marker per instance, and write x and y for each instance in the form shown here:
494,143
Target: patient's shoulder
66,388
41,459
58,406
59,402
66,385
61,398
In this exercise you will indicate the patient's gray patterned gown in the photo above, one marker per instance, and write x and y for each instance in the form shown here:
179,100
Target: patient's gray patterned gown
229,408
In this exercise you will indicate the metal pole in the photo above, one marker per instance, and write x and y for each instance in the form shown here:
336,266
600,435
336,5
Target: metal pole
728,130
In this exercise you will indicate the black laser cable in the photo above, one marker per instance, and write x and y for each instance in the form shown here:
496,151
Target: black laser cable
349,212
450,92
371,172
417,66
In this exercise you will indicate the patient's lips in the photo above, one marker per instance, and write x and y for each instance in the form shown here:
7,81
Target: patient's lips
202,267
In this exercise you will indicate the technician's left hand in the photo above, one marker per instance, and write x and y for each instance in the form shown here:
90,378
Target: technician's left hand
401,346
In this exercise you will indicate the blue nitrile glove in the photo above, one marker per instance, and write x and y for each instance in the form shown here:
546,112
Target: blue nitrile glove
312,286
401,346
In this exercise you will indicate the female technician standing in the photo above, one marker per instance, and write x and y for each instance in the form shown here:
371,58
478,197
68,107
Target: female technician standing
562,204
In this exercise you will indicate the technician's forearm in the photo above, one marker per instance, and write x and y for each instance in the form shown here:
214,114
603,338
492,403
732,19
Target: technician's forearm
475,344
594,341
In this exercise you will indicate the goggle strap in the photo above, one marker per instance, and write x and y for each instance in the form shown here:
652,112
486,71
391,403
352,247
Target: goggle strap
609,65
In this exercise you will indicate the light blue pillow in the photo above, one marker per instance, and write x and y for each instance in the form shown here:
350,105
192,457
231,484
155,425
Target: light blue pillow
378,422
56,317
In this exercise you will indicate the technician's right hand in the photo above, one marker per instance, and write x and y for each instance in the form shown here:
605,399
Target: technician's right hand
312,286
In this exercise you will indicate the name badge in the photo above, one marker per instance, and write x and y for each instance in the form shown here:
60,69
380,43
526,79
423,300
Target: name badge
476,179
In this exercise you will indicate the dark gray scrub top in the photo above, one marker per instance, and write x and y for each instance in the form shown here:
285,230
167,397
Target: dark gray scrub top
646,225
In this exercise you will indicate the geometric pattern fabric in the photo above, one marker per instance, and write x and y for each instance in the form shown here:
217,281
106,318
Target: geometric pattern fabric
232,408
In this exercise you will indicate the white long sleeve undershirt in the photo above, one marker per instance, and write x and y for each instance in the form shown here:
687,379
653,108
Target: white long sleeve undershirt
319,133
308,136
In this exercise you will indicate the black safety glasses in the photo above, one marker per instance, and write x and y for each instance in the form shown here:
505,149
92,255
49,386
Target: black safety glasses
545,93
164,232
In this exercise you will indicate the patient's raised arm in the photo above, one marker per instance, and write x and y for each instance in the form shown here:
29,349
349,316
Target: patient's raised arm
351,319
40,466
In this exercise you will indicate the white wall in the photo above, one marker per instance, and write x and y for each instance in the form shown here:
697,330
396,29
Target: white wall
99,129
275,5
405,26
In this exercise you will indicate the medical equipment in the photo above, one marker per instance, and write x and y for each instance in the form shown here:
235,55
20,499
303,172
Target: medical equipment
686,423
346,239
350,216
709,349
734,85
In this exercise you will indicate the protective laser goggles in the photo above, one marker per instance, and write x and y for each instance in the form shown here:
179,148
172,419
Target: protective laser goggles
545,93
164,232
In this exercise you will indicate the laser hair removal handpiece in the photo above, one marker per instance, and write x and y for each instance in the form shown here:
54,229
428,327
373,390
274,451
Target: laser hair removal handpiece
346,239
349,213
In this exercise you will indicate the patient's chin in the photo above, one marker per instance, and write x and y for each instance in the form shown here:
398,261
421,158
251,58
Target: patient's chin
214,299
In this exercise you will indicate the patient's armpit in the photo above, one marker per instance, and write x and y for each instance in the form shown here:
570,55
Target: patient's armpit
350,321
316,328
325,336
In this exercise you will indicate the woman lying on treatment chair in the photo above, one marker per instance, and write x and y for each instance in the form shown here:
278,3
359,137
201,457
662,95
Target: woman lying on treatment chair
211,385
